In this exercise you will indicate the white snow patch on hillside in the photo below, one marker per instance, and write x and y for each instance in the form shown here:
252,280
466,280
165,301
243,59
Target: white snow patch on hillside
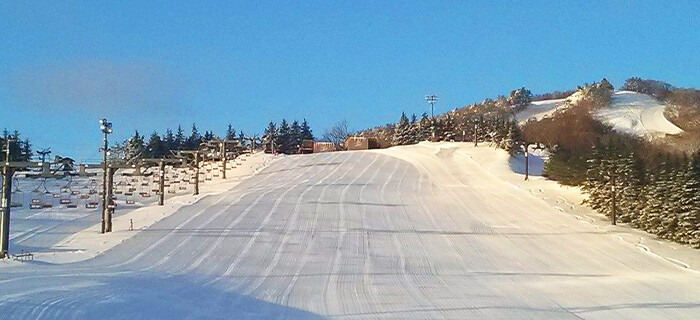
637,114
540,109
631,112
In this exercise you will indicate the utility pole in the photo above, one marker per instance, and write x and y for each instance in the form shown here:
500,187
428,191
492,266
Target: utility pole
106,128
476,131
161,186
223,159
196,173
110,191
614,211
527,165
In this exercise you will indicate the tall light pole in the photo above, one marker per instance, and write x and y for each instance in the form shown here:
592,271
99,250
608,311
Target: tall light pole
106,128
431,99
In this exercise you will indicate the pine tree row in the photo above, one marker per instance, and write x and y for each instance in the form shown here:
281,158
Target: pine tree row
20,150
661,198
502,132
286,138
159,146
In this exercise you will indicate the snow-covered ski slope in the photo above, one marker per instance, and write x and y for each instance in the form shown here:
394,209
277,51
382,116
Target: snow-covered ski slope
630,112
540,109
637,114
432,231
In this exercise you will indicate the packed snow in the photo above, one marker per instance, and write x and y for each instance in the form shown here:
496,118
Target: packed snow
637,114
538,110
430,231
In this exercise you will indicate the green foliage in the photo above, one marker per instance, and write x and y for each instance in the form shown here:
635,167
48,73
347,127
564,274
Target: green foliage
286,138
566,167
661,197
658,89
520,98
20,150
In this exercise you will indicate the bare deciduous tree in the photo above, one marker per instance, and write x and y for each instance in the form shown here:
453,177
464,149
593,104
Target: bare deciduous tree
337,133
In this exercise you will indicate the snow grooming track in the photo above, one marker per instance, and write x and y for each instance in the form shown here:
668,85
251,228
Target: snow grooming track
413,232
307,251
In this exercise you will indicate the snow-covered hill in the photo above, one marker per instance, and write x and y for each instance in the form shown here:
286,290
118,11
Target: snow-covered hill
637,114
540,109
629,112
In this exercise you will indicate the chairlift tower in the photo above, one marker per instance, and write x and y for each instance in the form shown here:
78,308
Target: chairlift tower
43,153
8,170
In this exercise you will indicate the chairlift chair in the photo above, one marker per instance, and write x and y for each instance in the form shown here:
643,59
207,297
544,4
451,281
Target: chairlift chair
17,193
92,202
129,198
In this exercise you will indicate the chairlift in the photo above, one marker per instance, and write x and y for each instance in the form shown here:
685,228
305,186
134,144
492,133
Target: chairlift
129,198
17,193
65,198
92,202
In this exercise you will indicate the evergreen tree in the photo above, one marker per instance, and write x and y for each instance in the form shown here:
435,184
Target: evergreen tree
284,139
156,146
447,129
180,139
656,192
424,128
511,137
209,135
520,99
606,84
295,136
306,133
26,153
230,133
269,138
631,188
673,201
403,132
135,147
595,184
689,211
169,142
194,139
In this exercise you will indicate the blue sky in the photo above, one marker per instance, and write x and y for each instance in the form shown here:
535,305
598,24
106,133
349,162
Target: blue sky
149,65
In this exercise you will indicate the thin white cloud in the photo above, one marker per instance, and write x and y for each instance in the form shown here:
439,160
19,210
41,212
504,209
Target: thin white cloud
96,85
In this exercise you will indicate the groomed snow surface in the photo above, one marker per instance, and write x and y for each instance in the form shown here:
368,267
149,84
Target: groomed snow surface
630,112
637,114
540,109
431,231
